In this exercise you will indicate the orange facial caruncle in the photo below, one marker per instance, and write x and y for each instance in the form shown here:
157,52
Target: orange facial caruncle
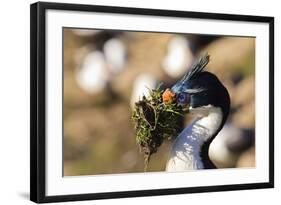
168,96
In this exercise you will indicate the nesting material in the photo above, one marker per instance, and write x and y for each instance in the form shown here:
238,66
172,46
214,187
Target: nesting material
156,118
160,115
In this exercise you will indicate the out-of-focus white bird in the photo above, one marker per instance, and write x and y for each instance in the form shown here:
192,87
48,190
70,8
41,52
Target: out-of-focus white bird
115,55
229,143
219,151
93,76
141,87
85,32
98,68
179,57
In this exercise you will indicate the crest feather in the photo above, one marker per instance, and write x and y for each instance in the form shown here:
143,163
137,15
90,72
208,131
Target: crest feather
194,71
197,67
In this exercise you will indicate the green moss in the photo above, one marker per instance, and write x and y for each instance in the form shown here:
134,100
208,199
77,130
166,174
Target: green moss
155,121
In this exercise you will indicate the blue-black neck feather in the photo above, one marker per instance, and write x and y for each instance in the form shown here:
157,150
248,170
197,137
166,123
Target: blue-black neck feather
210,92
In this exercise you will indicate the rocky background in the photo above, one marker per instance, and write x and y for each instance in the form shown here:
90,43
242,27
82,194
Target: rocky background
105,72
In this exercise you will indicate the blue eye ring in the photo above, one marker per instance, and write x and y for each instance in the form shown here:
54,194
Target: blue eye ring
183,98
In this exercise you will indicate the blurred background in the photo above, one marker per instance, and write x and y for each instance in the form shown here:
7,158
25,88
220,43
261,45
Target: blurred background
105,72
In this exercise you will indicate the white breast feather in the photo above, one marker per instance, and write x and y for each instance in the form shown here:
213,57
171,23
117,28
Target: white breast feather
185,152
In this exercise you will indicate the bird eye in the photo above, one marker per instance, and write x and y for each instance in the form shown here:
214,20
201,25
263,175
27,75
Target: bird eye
183,98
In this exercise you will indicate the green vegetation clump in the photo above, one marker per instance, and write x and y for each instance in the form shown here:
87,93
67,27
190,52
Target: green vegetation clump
156,121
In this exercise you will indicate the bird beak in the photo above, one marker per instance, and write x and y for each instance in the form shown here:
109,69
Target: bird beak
186,109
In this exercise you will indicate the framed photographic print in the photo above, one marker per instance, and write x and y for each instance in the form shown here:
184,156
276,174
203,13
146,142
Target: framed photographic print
129,102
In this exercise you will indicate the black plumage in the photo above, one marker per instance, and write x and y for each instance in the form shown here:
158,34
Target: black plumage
204,89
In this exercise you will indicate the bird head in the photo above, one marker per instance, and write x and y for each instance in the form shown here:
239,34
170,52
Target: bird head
198,91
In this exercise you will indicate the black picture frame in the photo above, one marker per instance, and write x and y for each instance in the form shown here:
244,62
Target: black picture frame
38,100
